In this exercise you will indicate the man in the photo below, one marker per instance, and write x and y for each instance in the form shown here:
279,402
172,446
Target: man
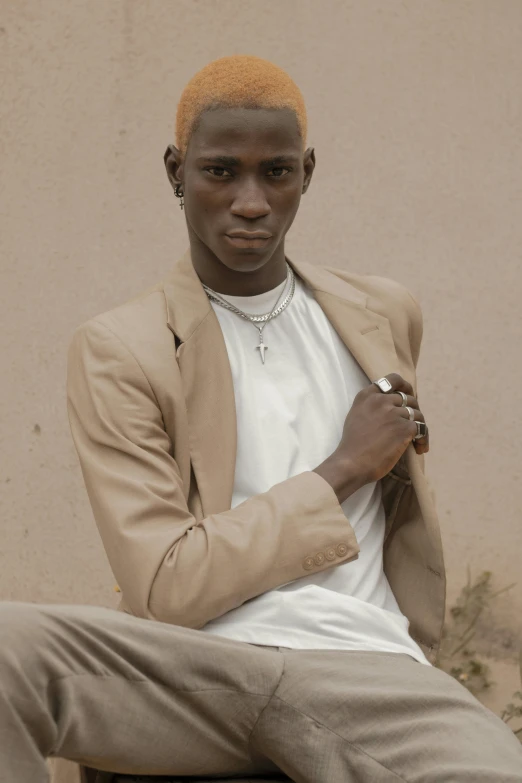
252,446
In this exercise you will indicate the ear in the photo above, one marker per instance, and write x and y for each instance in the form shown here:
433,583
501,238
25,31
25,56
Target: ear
309,166
173,165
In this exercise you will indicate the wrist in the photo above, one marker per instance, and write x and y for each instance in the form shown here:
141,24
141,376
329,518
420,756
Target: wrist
343,476
354,476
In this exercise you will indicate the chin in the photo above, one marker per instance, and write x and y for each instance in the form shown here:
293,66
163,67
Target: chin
244,257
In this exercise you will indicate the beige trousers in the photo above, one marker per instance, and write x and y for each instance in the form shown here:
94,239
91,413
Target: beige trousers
119,693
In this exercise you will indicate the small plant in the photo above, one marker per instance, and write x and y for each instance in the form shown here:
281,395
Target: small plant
515,710
457,657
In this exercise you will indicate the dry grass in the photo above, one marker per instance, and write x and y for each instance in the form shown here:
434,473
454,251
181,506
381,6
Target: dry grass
459,658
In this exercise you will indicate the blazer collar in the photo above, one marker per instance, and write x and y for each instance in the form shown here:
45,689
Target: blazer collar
205,368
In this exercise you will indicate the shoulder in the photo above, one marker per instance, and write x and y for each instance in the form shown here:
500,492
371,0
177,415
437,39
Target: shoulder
138,318
381,291
391,299
138,327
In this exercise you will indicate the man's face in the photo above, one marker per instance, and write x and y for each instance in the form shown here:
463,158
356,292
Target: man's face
244,171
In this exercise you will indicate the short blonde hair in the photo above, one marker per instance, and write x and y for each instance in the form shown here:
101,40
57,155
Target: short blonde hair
239,81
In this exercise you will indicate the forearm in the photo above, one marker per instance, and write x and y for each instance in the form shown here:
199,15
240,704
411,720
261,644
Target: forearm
228,558
341,476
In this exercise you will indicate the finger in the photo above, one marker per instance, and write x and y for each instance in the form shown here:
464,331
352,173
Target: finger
398,383
417,414
422,448
422,445
420,442
410,401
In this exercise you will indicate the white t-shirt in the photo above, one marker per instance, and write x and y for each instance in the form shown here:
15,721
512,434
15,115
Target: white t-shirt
290,416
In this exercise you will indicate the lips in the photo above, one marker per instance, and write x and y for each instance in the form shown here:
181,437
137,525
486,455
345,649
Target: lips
248,235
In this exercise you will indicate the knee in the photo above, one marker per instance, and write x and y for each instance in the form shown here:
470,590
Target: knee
21,629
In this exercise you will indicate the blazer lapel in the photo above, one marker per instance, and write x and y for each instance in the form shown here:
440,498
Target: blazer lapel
205,368
366,334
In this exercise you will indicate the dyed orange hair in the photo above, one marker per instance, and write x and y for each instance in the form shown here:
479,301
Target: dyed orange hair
239,81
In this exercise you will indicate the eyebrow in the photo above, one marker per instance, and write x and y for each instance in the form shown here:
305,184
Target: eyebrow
227,160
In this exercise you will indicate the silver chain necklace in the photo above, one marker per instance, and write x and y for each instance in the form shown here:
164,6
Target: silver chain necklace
215,297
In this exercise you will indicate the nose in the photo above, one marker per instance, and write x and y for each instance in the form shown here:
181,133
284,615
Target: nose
250,200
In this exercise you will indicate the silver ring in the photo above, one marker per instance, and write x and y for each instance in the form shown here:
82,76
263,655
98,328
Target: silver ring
404,399
422,430
411,412
383,385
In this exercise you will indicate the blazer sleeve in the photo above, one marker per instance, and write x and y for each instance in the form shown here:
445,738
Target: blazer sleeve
169,566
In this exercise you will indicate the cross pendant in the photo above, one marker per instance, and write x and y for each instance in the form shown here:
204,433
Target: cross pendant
262,348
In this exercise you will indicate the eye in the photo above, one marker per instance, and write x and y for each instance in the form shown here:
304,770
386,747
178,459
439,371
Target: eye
218,171
279,168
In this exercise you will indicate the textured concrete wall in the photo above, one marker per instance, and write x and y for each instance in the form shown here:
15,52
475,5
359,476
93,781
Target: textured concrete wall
415,114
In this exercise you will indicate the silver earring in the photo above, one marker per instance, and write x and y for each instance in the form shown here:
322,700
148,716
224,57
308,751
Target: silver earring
179,194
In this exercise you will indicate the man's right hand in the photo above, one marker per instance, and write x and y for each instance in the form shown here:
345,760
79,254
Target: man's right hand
377,431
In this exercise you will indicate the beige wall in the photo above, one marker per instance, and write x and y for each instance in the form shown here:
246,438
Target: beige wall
415,114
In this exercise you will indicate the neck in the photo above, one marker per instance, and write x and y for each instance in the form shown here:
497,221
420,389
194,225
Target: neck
238,275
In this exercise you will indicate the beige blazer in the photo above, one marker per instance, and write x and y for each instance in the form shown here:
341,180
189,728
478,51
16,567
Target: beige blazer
152,414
